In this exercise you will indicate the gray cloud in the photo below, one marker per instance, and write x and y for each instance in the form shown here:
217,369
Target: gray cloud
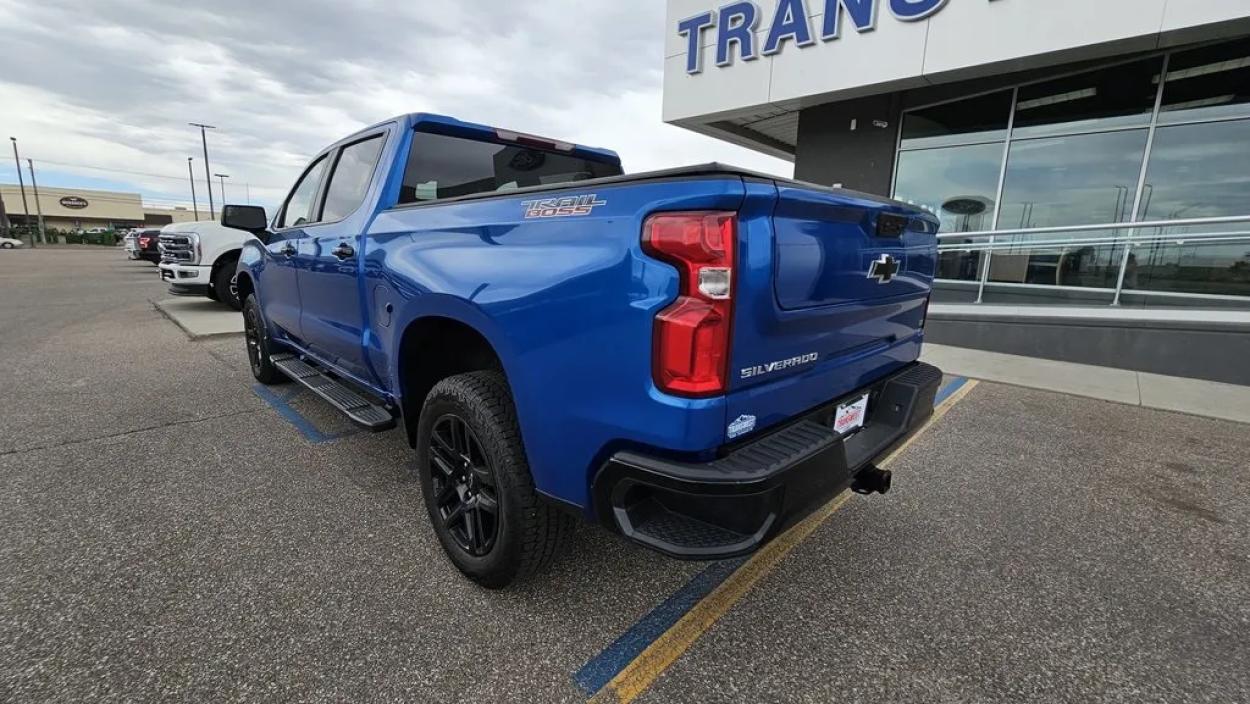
114,83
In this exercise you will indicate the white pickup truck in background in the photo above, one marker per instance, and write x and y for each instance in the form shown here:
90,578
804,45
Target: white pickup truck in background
199,259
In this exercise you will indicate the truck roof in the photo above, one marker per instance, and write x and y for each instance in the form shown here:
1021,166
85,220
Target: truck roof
474,129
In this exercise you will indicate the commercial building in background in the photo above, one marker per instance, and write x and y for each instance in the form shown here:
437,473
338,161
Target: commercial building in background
83,209
1089,161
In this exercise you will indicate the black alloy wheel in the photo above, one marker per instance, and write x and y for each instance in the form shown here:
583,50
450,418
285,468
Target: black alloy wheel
465,489
258,344
252,333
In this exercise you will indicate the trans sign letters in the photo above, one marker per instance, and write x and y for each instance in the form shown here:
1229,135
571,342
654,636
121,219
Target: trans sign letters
737,22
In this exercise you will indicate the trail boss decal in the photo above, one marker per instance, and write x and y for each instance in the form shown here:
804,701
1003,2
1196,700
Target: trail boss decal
761,369
566,207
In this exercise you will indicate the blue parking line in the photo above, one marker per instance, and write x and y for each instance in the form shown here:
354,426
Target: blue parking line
604,666
951,387
600,670
292,416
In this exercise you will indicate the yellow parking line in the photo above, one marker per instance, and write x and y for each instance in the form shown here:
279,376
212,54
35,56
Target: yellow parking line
652,662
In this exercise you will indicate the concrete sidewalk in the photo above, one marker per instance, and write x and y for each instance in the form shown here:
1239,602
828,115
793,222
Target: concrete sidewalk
1170,393
200,317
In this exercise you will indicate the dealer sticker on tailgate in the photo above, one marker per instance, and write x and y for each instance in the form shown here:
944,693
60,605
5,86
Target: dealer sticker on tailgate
850,415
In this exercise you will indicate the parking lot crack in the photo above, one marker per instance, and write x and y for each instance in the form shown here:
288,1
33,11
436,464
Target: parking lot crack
125,433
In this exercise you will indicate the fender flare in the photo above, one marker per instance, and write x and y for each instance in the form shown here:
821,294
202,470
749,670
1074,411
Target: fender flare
441,305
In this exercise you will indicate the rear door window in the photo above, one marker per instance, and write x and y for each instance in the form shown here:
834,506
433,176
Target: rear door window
440,166
351,177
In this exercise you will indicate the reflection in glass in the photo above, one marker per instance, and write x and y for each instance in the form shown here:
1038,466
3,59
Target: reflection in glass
1221,268
1075,180
1198,171
1207,84
1117,96
979,119
957,184
1089,266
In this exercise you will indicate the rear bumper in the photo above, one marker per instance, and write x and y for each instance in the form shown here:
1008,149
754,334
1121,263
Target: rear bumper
757,488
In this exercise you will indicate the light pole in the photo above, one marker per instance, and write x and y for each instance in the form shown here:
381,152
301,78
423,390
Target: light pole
208,180
43,232
222,178
17,162
195,207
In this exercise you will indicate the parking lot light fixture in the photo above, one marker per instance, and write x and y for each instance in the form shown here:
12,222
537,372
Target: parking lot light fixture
43,232
207,179
195,207
17,163
222,178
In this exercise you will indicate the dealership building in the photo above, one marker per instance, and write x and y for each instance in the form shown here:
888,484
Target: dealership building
1089,159
84,209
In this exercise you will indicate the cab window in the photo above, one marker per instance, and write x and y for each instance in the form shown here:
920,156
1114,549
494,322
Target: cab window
352,173
299,205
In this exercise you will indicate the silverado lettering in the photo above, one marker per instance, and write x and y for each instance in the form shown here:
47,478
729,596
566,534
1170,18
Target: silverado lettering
748,372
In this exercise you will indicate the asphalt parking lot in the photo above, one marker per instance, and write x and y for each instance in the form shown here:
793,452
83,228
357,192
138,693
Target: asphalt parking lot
167,533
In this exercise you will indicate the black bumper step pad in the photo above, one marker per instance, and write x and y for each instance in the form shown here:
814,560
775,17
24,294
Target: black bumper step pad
360,410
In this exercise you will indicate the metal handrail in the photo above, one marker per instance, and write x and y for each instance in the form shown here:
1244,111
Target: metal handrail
1146,224
1130,237
1094,241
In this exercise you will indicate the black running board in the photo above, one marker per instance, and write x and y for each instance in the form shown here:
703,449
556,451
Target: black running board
351,404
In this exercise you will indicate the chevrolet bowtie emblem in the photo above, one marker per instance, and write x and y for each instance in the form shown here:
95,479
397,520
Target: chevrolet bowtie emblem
883,269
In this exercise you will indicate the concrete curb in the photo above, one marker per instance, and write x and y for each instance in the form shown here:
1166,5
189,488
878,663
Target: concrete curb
200,319
1196,397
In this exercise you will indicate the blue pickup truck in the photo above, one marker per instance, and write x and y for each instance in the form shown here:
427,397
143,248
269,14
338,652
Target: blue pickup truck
694,358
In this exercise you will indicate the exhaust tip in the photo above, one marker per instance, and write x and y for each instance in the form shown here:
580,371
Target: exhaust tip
872,480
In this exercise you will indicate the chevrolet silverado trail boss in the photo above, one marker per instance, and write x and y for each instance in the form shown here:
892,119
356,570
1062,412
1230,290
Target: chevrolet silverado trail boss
694,358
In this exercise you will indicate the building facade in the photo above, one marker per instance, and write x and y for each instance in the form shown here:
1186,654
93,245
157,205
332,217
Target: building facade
83,209
1089,161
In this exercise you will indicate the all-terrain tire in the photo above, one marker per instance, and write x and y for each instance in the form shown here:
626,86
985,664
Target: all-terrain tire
259,346
530,530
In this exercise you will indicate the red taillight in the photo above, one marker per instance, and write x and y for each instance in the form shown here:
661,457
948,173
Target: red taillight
692,334
143,241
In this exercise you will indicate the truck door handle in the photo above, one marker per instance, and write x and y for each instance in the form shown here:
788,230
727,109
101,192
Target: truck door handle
343,251
288,250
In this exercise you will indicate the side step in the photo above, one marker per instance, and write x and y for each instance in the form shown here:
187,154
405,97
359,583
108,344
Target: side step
351,404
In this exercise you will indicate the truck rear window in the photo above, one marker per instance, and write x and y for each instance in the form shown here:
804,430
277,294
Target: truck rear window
441,166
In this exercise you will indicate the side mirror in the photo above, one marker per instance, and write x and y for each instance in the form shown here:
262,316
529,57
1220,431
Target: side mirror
251,218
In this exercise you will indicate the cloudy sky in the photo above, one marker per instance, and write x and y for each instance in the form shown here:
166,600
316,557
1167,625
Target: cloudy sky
112,84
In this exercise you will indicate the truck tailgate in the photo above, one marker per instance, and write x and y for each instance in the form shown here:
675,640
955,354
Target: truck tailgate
831,295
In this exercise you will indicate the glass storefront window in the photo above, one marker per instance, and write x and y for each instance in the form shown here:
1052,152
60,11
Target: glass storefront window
979,119
1210,83
1198,171
1075,180
958,184
1075,156
1185,266
1058,181
1114,97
